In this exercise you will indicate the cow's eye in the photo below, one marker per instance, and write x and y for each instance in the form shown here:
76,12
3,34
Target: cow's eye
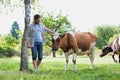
53,41
58,40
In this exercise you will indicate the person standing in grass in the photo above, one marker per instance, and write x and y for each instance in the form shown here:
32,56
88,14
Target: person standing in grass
36,39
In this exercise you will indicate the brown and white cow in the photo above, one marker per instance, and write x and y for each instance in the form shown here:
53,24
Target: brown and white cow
113,47
78,43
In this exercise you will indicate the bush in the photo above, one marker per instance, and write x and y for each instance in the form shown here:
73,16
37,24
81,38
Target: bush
8,52
46,50
9,46
101,42
104,33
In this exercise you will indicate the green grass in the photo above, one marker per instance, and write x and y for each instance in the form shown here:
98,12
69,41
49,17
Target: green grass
53,69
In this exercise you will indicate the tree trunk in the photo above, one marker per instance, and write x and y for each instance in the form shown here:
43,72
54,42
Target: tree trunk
24,55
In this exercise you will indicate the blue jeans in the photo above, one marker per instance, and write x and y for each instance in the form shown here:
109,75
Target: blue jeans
37,50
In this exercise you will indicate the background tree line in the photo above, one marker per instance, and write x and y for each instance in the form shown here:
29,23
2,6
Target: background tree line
106,34
10,44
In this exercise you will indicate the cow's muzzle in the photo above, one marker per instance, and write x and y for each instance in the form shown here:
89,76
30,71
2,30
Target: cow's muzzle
101,55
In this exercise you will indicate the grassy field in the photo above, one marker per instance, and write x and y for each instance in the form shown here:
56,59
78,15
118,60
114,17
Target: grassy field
54,69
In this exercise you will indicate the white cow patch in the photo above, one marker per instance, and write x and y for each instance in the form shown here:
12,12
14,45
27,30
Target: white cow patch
119,40
92,46
114,41
74,59
83,52
56,36
80,52
72,33
74,56
67,61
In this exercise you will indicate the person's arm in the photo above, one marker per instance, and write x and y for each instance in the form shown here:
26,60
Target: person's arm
48,30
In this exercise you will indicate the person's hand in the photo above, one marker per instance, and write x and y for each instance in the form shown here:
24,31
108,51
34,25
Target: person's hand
52,32
29,46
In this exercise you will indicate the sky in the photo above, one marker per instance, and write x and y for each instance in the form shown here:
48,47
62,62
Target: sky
83,14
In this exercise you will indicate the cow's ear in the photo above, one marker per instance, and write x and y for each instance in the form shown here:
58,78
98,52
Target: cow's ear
62,36
103,47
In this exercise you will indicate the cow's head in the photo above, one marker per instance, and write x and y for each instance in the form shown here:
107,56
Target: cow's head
57,41
105,50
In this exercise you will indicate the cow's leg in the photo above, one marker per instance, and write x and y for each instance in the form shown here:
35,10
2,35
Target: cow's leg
74,61
67,61
119,57
114,58
91,56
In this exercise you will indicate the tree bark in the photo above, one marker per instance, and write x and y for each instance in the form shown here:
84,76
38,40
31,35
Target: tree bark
24,55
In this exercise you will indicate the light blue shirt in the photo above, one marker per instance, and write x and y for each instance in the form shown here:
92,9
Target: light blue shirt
38,33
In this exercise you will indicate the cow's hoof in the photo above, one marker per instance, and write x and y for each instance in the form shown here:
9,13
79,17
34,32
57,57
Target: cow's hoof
74,70
115,61
118,61
91,67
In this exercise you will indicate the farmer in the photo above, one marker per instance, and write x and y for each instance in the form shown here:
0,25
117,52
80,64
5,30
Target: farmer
36,39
